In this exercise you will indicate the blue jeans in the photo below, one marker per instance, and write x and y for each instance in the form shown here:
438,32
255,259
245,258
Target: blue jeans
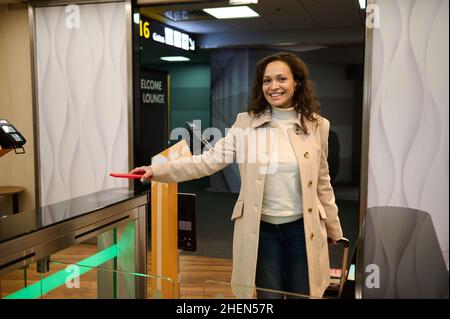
282,263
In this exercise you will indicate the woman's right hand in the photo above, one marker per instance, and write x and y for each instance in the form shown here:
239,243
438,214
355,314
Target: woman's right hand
145,171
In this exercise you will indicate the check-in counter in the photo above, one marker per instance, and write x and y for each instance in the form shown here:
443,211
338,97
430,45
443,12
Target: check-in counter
112,221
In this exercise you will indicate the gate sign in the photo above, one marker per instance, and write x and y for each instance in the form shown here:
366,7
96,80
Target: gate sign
164,34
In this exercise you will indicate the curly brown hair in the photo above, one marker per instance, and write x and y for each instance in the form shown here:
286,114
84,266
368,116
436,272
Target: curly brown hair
305,98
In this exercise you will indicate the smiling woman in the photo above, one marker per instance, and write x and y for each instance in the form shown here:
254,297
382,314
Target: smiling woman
280,236
283,81
279,84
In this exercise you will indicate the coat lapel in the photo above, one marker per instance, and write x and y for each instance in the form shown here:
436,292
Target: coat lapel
261,119
304,145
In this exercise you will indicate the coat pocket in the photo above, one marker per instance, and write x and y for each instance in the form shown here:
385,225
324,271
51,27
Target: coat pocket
238,209
322,213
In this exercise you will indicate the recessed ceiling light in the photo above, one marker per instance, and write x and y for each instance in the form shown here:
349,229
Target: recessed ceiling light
174,58
237,2
362,4
231,12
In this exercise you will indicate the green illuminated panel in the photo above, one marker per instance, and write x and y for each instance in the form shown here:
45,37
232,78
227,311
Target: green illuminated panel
54,281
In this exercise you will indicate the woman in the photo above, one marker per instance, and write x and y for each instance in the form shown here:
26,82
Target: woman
283,216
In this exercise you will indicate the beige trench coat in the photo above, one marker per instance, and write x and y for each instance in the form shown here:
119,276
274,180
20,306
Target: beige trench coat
320,211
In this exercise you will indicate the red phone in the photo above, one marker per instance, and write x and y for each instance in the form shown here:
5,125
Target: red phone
122,175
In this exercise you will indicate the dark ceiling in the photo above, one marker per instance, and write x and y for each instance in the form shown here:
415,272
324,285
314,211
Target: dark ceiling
332,30
281,23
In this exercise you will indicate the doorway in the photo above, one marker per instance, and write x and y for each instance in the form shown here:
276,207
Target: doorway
213,82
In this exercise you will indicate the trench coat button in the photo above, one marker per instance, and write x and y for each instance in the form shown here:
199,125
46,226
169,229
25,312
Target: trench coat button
306,155
310,210
310,184
311,236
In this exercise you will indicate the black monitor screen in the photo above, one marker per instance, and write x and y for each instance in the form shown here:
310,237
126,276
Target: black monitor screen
187,236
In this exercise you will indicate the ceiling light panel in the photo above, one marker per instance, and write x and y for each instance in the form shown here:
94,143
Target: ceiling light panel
174,58
239,2
232,12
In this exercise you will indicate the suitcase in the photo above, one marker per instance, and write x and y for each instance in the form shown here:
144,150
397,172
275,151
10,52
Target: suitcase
339,272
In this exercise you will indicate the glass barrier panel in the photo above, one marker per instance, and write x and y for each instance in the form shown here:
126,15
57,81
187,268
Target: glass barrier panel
78,281
14,284
114,249
224,290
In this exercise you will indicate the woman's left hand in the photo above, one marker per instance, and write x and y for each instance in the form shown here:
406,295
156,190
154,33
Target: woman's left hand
332,242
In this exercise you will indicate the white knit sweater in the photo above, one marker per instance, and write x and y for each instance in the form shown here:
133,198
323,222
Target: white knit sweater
282,202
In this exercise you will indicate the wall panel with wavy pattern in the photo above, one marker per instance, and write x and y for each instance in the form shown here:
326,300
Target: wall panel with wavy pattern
408,147
82,98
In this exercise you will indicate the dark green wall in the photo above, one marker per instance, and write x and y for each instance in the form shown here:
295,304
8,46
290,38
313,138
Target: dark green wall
189,93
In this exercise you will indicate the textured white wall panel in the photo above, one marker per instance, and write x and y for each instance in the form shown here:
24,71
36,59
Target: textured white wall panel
82,97
408,147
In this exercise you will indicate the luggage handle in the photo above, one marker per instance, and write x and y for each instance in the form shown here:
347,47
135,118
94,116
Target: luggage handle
343,241
346,243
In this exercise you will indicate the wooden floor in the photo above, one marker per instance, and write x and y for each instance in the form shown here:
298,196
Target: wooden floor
200,277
